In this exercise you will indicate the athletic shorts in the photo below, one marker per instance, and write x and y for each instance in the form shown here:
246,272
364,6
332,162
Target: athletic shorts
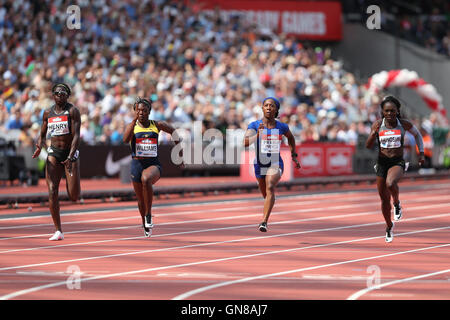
60,154
139,165
384,164
260,171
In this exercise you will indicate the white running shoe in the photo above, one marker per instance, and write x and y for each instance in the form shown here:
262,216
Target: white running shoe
57,236
147,232
390,233
148,221
397,212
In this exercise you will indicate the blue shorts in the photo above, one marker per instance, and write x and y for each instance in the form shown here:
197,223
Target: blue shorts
139,165
260,171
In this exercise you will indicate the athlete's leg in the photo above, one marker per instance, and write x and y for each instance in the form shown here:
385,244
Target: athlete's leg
385,196
272,178
262,185
149,177
73,181
394,174
137,186
53,173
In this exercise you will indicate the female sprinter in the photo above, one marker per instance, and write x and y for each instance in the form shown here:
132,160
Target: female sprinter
268,165
62,121
390,166
142,134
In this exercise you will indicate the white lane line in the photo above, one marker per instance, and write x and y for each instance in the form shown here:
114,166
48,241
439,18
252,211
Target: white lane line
270,275
197,231
218,242
360,293
345,206
215,229
61,283
343,195
182,212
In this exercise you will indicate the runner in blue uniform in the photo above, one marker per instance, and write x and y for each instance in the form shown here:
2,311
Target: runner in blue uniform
390,166
268,165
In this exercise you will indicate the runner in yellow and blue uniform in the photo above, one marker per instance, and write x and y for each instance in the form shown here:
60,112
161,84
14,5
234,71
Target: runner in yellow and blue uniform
142,134
268,133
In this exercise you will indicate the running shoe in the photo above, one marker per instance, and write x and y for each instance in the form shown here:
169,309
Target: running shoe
397,211
147,232
148,221
263,227
58,235
390,233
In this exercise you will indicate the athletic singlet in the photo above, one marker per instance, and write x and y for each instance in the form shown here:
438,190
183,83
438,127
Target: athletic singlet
391,138
269,142
144,143
58,124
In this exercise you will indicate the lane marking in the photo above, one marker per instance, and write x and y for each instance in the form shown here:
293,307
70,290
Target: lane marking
219,242
51,285
217,202
344,206
212,229
265,276
360,293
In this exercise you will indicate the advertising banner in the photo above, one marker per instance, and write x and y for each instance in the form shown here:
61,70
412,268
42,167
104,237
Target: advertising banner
307,20
316,159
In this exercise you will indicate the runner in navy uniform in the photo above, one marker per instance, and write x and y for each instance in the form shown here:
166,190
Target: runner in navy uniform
390,166
142,134
62,122
269,166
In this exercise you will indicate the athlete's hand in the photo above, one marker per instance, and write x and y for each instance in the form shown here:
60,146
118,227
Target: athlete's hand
376,127
297,163
421,159
260,129
68,164
37,152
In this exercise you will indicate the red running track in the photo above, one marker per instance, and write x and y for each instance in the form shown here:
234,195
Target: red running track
321,245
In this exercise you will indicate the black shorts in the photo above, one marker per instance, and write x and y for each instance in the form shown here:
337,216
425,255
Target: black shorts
139,165
60,154
384,164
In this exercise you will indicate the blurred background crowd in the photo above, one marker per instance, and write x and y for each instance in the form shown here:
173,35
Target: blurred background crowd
424,22
203,69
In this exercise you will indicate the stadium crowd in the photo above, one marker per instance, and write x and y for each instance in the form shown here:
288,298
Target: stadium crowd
426,23
203,68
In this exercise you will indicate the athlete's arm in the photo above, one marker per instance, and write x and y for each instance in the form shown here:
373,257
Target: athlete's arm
251,135
42,135
128,134
76,124
373,134
291,142
417,136
164,126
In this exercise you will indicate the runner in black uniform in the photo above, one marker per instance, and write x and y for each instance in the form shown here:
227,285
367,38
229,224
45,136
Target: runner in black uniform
390,166
62,122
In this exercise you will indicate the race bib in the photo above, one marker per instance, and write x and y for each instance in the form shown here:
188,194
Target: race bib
270,143
146,147
390,139
58,126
